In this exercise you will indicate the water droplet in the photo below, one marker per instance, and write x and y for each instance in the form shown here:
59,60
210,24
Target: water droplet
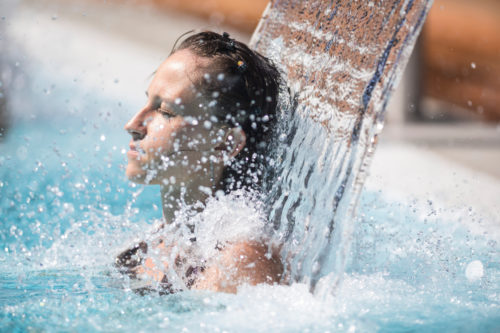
474,270
473,65
191,121
103,137
220,77
178,101
207,124
206,190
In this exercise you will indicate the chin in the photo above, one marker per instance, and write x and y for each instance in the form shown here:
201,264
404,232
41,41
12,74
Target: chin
140,176
134,175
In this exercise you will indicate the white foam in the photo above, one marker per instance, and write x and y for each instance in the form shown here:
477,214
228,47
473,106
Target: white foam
238,216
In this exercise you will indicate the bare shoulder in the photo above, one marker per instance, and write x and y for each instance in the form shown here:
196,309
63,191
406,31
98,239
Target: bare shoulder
242,262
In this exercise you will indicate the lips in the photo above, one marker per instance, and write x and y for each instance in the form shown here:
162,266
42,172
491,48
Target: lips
133,152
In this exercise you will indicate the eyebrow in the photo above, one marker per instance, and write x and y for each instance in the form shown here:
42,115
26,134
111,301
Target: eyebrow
158,98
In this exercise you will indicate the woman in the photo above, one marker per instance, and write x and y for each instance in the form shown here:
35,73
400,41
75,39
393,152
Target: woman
205,128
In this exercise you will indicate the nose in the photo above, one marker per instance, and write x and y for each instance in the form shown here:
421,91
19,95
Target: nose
136,126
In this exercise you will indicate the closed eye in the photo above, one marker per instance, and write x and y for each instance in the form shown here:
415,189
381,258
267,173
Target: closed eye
167,113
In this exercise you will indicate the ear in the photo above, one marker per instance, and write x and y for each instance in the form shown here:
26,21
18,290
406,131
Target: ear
234,141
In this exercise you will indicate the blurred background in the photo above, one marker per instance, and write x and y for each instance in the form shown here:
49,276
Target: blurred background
448,102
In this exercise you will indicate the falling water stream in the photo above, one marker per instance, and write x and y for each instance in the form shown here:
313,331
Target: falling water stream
341,60
66,209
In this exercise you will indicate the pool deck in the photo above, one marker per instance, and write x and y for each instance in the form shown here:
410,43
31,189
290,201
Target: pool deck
457,164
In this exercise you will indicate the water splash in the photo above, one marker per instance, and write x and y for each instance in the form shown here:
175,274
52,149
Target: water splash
408,260
341,62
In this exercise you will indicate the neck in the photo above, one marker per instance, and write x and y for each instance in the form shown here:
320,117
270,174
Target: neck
175,196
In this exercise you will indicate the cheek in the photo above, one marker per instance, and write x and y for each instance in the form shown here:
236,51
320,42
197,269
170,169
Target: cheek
192,138
158,141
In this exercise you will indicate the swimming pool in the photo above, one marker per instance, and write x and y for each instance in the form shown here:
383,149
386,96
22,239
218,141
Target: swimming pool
66,209
411,267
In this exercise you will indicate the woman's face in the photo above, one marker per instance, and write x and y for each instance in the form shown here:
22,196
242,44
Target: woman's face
172,137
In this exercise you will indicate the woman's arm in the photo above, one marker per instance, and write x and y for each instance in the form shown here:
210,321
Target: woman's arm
239,263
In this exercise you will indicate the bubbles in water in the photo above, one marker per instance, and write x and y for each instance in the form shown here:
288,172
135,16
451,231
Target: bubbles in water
474,270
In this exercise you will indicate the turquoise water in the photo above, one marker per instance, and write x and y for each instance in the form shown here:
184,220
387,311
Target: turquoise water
66,209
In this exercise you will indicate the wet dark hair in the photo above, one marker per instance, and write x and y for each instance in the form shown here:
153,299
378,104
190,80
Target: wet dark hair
242,87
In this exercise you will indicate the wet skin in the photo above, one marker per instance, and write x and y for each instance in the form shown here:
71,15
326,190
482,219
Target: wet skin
175,142
169,134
